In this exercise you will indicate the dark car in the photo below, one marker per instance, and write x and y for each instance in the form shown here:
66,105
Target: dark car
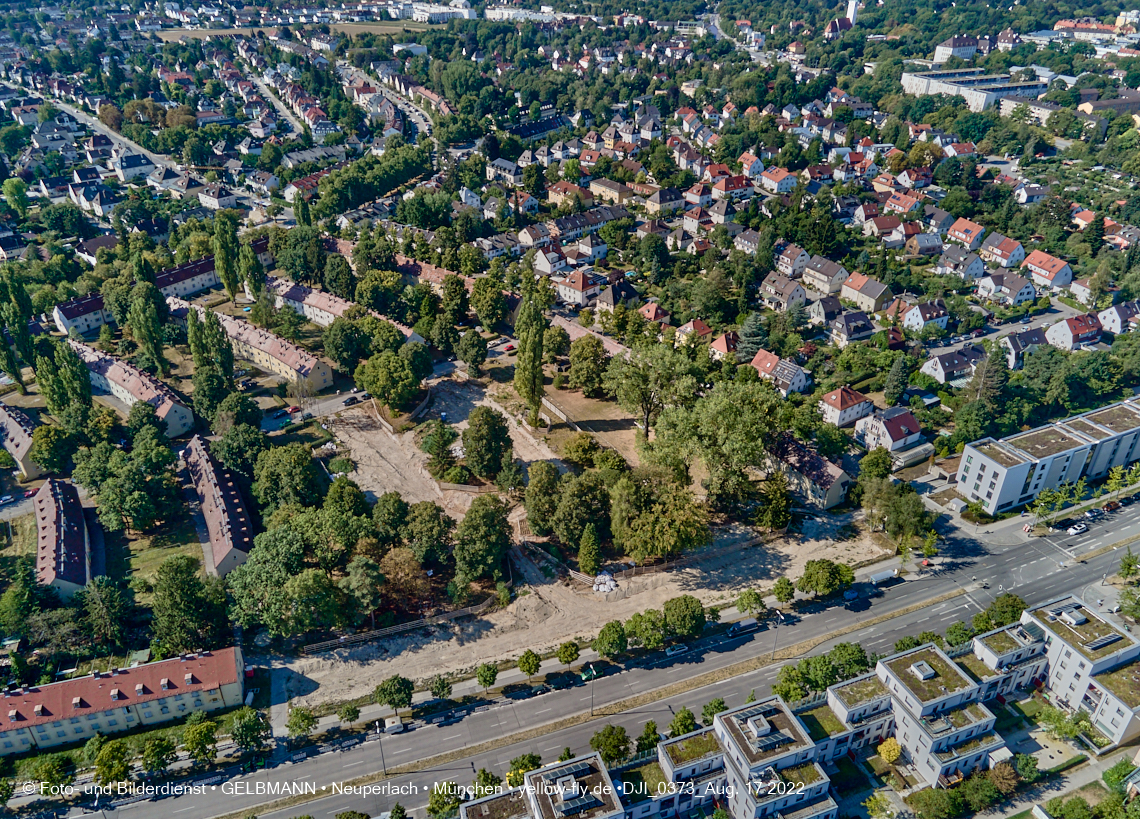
280,413
352,399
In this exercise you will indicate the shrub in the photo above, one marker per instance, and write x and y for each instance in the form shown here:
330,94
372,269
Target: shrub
559,382
457,474
340,465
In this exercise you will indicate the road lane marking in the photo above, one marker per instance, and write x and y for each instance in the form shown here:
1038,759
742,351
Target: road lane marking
351,764
453,736
543,711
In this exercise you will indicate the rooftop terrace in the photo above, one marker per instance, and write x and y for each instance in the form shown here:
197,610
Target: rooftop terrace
821,722
1124,682
641,782
1087,633
999,454
1000,642
974,667
764,731
1084,427
693,747
968,747
1118,417
1046,441
509,805
946,678
861,690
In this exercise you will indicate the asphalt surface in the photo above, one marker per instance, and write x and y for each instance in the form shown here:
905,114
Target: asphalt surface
1056,313
1002,558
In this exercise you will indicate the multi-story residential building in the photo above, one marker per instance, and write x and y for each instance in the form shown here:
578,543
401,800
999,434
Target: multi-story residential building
1069,334
1018,345
1120,318
778,292
225,511
867,293
964,48
17,427
1007,288
129,384
1011,472
1048,271
1002,251
67,556
956,261
824,276
844,406
966,233
269,352
317,306
921,316
850,327
979,89
892,429
62,713
778,180
791,260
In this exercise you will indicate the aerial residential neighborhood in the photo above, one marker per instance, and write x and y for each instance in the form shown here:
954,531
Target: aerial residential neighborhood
618,411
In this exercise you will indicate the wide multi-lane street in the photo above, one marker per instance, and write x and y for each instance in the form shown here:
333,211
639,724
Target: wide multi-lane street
980,564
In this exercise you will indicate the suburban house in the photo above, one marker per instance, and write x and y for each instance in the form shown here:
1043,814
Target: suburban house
1002,251
921,316
868,294
955,365
505,171
724,346
693,332
851,327
956,261
844,406
825,310
68,557
923,244
780,293
217,197
620,292
824,275
1120,318
786,376
578,288
791,260
1007,288
778,180
1046,270
892,429
1018,345
966,233
821,483
1069,334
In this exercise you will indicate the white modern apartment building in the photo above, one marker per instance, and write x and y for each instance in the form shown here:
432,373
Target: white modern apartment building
1010,472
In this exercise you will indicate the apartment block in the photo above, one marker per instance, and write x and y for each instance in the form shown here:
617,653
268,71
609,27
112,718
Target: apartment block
223,508
17,427
129,384
67,557
979,89
73,711
1009,472
317,306
265,350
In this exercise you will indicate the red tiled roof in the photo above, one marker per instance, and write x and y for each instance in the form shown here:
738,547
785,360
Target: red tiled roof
844,398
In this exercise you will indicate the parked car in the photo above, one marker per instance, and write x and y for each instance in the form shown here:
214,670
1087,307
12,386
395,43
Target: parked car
1111,506
280,413
673,651
293,410
1077,529
1026,320
509,348
30,493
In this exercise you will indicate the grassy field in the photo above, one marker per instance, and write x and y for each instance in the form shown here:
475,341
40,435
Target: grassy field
139,556
19,540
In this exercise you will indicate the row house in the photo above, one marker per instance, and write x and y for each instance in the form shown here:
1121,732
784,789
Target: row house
824,276
867,293
223,508
17,428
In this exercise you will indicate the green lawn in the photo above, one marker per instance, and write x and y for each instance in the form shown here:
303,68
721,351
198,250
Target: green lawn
850,776
1029,708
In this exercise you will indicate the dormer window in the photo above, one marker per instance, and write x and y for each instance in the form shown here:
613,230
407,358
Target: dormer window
165,684
115,693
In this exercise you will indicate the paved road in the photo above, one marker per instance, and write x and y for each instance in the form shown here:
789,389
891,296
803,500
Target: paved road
95,125
282,109
1056,313
1038,570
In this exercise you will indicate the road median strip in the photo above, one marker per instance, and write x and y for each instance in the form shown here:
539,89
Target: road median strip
671,690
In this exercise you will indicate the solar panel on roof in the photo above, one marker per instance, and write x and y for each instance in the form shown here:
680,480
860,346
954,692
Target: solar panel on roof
570,770
771,741
1034,630
577,805
1101,642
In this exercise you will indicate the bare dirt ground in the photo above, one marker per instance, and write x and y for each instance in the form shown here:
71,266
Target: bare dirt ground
552,612
610,424
387,462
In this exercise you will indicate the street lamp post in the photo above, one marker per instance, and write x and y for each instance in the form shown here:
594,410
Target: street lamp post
775,636
380,739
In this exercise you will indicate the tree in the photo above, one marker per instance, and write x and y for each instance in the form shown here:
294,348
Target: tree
52,448
234,410
157,754
444,800
389,378
1059,724
200,741
301,722
395,692
1115,776
896,381
568,654
646,629
487,442
889,750
428,532
776,509
440,687
286,475
105,610
362,582
650,379
978,792
146,325
486,674
226,251
55,771
587,365
683,723
878,806
188,612
485,784
611,640
301,212
750,602
113,764
612,742
822,577
472,351
583,499
488,301
541,499
249,730
521,765
16,192
529,663
338,277
711,709
684,616
958,634
481,540
1026,765
529,329
239,448
589,551
250,269
1129,566
784,591
348,713
210,389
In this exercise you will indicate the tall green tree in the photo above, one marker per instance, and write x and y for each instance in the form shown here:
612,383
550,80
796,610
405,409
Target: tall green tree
650,379
530,329
144,320
250,269
226,251
188,610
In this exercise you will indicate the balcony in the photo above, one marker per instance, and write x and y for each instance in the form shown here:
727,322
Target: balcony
987,741
818,807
